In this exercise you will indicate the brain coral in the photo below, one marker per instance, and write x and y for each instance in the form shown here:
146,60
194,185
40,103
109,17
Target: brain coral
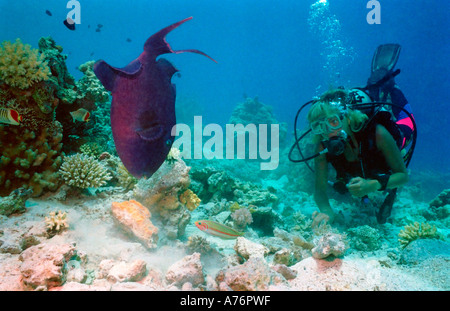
21,66
83,171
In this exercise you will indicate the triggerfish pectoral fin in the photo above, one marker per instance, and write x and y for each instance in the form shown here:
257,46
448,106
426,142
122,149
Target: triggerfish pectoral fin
157,44
107,74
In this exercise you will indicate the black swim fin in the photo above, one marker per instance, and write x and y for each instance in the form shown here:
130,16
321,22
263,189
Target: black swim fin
385,57
386,208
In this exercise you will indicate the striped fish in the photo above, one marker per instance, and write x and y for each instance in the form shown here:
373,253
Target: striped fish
218,229
10,116
81,115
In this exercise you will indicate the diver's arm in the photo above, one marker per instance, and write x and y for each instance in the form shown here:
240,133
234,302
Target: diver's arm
360,187
321,184
386,144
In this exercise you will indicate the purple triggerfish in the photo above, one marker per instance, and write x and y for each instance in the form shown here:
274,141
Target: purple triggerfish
217,229
143,104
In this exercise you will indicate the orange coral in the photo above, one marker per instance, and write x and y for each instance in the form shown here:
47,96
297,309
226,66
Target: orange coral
190,199
135,218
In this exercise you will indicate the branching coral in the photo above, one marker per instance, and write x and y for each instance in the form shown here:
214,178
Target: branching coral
29,159
56,222
21,66
83,172
91,149
89,87
416,231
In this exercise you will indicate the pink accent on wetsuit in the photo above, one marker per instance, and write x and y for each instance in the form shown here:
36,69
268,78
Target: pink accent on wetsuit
408,122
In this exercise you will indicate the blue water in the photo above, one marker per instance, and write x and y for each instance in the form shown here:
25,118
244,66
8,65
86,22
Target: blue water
264,49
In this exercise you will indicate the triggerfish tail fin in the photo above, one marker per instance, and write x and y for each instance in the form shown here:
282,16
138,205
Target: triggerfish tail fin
157,45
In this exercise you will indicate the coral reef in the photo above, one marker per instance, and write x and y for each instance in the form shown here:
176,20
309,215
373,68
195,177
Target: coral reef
90,90
330,244
56,222
248,249
161,194
83,172
21,66
252,111
190,200
122,271
187,270
416,231
30,158
242,217
134,218
198,244
43,265
254,275
15,202
364,238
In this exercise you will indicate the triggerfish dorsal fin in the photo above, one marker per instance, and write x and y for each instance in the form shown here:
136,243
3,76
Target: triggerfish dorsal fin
157,45
107,74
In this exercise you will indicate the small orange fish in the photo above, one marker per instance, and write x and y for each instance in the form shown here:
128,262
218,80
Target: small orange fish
218,229
10,116
81,115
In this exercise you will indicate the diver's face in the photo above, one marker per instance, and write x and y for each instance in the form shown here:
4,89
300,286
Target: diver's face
335,126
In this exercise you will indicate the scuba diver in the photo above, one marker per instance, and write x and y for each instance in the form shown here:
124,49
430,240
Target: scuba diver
367,134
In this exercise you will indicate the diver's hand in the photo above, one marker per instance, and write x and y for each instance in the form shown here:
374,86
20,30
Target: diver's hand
360,187
319,218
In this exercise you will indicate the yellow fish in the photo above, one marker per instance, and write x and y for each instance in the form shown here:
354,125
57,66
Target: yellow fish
81,115
218,229
10,116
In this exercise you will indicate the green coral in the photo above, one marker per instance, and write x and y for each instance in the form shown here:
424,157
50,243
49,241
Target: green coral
82,171
416,231
15,202
21,66
365,238
91,149
29,158
89,87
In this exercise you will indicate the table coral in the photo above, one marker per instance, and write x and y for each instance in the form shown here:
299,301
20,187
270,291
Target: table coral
21,66
83,172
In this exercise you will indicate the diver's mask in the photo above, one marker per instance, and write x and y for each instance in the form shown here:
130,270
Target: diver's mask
330,129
